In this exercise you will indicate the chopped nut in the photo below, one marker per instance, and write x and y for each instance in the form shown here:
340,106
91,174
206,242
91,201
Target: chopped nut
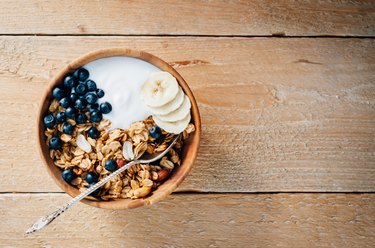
65,137
85,164
99,168
162,174
77,171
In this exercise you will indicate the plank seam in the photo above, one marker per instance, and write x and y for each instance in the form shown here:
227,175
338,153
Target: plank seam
192,35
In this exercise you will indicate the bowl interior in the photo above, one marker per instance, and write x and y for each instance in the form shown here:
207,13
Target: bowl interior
190,147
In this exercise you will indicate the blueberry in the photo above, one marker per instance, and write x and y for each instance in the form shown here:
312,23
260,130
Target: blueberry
96,192
60,117
91,85
155,132
100,93
82,74
68,175
64,102
83,98
91,177
91,98
70,82
93,133
105,107
96,116
93,107
73,97
49,121
81,89
70,113
55,143
81,118
110,165
80,104
67,128
58,93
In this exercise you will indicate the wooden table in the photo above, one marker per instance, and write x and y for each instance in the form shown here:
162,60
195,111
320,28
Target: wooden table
286,91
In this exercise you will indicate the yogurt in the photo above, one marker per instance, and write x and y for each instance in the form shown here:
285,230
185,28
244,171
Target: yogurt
121,79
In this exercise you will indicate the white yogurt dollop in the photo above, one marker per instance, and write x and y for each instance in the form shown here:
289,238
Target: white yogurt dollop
121,79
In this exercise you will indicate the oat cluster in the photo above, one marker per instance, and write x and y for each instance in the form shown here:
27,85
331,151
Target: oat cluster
122,145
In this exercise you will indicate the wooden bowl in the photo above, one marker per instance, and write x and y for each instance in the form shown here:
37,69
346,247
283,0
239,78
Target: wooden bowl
189,152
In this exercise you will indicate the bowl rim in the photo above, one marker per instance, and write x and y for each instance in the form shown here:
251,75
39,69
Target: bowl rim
190,148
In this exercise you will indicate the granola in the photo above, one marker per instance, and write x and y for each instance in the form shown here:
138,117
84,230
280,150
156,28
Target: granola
83,155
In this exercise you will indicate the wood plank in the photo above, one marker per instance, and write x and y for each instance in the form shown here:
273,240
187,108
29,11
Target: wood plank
197,220
195,17
277,114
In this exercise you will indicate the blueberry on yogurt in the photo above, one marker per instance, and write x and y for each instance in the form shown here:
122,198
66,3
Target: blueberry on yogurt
91,98
70,82
58,93
105,107
82,74
96,116
81,89
100,93
91,85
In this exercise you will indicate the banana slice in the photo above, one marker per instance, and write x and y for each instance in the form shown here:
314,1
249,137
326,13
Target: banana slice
173,127
179,113
171,106
159,89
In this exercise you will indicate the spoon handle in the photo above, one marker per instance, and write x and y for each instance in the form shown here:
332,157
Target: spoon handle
45,220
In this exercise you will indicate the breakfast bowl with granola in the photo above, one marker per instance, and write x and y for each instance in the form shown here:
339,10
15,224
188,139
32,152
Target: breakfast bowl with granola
108,108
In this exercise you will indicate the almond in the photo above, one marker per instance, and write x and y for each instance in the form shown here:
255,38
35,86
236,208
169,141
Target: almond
162,174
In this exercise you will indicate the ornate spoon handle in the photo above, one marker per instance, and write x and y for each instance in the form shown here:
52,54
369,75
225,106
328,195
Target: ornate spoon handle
45,220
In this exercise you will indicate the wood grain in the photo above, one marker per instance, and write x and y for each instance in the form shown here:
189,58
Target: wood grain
195,17
196,220
277,114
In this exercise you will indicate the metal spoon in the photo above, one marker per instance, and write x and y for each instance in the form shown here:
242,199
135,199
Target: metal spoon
45,220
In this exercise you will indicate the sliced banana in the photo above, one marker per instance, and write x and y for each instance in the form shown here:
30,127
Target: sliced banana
171,106
173,127
159,89
179,113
